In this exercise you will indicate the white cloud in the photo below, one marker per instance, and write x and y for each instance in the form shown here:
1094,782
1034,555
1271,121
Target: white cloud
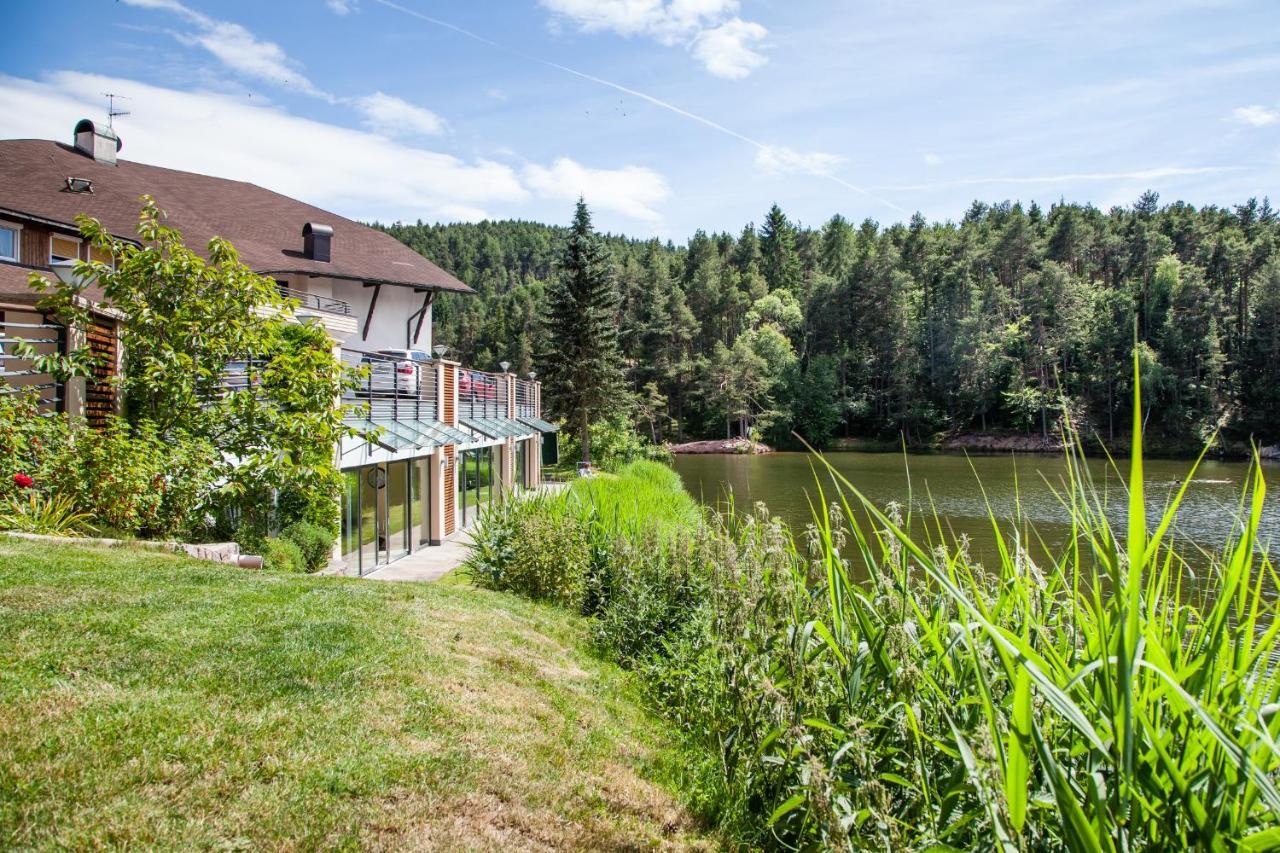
358,174
1256,115
668,22
781,159
726,49
342,7
931,159
238,48
243,52
708,29
633,191
391,116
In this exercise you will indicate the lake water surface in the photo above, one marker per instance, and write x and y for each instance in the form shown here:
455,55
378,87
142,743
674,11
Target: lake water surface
786,482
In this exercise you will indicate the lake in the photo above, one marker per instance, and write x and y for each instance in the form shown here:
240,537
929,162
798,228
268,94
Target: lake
786,481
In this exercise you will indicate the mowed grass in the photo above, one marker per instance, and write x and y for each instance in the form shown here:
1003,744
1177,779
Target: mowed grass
153,701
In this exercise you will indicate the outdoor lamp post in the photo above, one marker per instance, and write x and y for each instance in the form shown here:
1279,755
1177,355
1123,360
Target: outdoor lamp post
504,365
440,350
533,374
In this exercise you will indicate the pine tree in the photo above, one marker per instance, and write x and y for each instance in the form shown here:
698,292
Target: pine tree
778,251
582,364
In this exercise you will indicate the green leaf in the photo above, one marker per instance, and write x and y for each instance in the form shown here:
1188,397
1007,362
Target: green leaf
1267,839
1017,752
1076,829
789,805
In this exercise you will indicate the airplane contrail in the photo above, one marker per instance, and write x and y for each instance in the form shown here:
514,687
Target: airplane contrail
657,102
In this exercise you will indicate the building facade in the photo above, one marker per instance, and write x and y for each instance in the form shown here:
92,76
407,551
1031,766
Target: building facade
439,441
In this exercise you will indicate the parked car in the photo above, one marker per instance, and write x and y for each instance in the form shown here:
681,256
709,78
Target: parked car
419,356
395,371
477,386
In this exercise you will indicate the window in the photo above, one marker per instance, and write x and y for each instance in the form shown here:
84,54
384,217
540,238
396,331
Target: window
102,257
63,249
8,243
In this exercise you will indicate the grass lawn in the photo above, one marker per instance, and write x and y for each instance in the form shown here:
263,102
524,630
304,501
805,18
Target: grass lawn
149,700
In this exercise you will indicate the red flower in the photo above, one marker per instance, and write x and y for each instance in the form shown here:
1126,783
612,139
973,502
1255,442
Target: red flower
23,481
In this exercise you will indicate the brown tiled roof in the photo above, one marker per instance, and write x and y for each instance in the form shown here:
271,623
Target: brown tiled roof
15,288
264,226
13,284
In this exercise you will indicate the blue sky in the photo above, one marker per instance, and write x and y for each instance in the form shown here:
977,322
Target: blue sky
670,115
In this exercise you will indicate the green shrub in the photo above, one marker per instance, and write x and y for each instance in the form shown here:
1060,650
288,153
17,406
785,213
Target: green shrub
32,443
312,500
533,547
314,542
123,478
614,443
562,547
281,555
647,593
132,479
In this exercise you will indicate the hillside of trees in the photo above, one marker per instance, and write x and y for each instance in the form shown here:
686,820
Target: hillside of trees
994,323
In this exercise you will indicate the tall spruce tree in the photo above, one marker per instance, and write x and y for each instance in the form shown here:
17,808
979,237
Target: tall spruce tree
582,363
778,251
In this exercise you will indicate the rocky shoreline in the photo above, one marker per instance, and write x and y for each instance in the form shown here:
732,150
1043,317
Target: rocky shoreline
977,442
973,442
737,446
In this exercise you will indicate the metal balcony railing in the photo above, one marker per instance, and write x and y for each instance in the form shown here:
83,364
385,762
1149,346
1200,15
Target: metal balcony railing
394,388
316,302
482,395
526,399
18,375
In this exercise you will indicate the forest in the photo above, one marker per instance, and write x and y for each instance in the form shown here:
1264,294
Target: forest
1001,323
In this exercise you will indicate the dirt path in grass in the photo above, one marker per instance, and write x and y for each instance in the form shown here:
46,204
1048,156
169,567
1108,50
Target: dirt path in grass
559,755
155,702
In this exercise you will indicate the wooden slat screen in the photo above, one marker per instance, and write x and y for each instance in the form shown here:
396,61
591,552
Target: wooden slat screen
100,395
450,490
450,380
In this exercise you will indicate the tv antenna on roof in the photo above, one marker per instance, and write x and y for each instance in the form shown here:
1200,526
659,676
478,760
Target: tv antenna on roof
112,112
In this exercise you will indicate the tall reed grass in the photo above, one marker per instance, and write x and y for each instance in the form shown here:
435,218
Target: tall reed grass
1082,702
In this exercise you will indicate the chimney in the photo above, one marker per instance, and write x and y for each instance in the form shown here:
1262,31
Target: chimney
100,143
316,240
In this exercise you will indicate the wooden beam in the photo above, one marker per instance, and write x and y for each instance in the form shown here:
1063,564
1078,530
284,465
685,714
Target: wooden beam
368,318
422,314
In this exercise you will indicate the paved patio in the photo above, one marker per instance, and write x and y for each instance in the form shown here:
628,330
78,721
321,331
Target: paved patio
436,561
427,564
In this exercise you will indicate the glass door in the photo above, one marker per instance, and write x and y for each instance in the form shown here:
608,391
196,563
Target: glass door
398,525
460,479
420,501
373,539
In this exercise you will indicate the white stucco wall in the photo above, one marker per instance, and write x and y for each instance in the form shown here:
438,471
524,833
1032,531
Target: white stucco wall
390,315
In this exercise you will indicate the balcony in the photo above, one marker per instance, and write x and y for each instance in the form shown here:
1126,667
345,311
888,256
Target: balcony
336,316
397,403
316,302
526,399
